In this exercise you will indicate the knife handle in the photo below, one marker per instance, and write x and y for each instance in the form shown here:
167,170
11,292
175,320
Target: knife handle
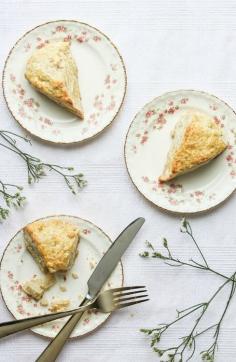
7,328
55,346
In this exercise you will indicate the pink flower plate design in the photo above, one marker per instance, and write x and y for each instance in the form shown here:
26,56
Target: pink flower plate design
102,79
147,144
17,266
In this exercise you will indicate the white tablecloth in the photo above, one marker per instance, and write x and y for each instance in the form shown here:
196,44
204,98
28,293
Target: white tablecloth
166,45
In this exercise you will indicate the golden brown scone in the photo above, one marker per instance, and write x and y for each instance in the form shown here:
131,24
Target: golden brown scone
53,72
52,243
196,140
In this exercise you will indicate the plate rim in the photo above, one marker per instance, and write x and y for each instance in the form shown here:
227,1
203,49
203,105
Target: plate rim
19,122
168,211
48,217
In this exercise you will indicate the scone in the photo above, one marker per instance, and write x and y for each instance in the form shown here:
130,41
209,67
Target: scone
53,72
52,243
36,287
196,140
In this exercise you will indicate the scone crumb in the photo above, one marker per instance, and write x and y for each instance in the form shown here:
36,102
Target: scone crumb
75,275
43,302
59,305
92,265
62,288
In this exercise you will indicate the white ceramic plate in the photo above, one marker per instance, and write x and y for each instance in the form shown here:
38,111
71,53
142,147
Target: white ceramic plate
102,80
17,266
148,141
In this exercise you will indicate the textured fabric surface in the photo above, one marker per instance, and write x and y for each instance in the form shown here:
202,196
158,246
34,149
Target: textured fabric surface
166,45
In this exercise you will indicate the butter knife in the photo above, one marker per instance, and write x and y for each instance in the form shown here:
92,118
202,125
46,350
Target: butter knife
98,278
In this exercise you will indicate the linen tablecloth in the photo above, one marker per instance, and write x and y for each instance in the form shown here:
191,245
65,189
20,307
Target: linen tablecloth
166,45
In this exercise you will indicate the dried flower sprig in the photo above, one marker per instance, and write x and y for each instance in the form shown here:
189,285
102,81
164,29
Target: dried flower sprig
176,262
209,354
36,168
187,347
11,199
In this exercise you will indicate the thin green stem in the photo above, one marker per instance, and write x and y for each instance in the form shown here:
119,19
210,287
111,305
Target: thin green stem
206,306
197,266
190,233
205,330
212,348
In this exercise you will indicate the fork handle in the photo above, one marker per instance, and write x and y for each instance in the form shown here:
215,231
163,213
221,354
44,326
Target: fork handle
11,327
55,346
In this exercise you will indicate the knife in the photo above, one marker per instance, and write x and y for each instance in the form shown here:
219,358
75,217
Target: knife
98,278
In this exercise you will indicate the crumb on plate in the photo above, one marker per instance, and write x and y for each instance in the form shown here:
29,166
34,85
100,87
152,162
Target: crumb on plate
75,275
43,302
62,288
59,305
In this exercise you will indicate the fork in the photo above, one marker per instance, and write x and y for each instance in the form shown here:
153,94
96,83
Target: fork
106,302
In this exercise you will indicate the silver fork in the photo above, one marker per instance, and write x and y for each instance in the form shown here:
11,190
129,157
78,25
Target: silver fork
106,302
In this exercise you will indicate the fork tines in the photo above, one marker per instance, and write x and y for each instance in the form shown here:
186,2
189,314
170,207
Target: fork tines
137,296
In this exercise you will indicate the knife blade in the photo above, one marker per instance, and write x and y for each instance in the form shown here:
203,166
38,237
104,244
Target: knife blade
98,278
111,258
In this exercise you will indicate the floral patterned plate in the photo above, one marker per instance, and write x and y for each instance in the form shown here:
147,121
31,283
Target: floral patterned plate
147,144
17,266
102,80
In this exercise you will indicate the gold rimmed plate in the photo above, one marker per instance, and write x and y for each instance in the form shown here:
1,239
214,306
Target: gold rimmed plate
102,79
18,266
148,141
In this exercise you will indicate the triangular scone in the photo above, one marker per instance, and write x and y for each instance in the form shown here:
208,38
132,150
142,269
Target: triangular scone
196,140
52,243
53,72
